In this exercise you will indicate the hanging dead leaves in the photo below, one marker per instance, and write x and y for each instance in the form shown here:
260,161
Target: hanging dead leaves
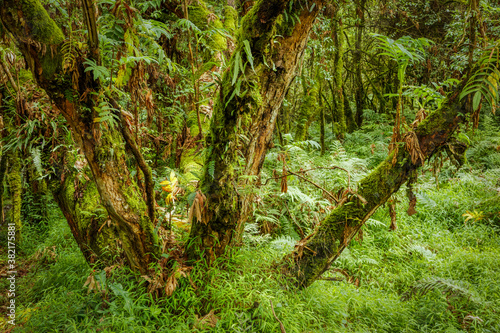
412,146
198,209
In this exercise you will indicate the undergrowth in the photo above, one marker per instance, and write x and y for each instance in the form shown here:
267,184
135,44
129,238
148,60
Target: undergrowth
438,272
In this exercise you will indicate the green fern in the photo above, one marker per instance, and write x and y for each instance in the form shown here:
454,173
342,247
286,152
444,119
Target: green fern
484,83
450,288
37,160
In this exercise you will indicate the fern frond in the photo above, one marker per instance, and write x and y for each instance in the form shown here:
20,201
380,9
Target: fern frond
37,160
450,288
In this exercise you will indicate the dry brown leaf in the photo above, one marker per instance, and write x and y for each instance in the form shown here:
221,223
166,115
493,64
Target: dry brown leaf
198,208
421,115
209,320
413,147
170,285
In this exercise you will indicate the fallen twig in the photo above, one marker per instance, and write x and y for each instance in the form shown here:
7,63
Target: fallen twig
279,321
302,171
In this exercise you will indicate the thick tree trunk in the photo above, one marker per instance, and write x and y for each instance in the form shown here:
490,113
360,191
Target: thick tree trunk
314,254
243,123
39,39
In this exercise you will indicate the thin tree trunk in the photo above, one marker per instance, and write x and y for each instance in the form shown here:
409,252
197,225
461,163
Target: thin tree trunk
359,93
338,67
14,179
321,122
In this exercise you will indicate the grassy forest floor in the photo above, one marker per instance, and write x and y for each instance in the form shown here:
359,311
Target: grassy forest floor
438,272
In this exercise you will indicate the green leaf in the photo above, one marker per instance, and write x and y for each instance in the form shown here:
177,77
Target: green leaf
248,51
236,67
476,100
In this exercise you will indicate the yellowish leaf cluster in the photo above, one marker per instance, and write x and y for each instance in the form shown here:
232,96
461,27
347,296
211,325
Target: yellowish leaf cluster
170,186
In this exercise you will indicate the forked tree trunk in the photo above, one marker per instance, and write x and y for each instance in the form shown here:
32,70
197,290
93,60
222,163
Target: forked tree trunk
39,39
243,124
314,254
77,196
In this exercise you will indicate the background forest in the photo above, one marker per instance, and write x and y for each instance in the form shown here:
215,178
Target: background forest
250,166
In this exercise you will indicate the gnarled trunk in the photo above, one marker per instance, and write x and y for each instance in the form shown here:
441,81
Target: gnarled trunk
243,123
40,39
77,197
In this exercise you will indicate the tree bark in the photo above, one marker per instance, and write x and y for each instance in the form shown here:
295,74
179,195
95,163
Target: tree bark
39,39
243,124
77,197
314,254
14,178
359,93
338,67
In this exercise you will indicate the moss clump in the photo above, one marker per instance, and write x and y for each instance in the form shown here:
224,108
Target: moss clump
230,19
200,16
41,27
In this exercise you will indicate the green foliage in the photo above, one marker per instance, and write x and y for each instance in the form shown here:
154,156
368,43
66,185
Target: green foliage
484,83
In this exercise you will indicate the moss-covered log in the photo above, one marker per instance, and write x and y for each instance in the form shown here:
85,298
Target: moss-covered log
39,39
314,254
270,46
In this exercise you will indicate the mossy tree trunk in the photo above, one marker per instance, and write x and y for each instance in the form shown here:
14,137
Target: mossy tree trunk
349,115
314,254
3,169
243,124
306,112
321,121
356,58
77,196
14,180
39,39
338,68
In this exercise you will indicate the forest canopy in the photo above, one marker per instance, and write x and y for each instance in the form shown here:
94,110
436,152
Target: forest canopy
249,166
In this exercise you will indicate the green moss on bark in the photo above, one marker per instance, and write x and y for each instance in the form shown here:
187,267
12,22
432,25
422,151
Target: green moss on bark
306,111
14,179
230,19
41,27
201,17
